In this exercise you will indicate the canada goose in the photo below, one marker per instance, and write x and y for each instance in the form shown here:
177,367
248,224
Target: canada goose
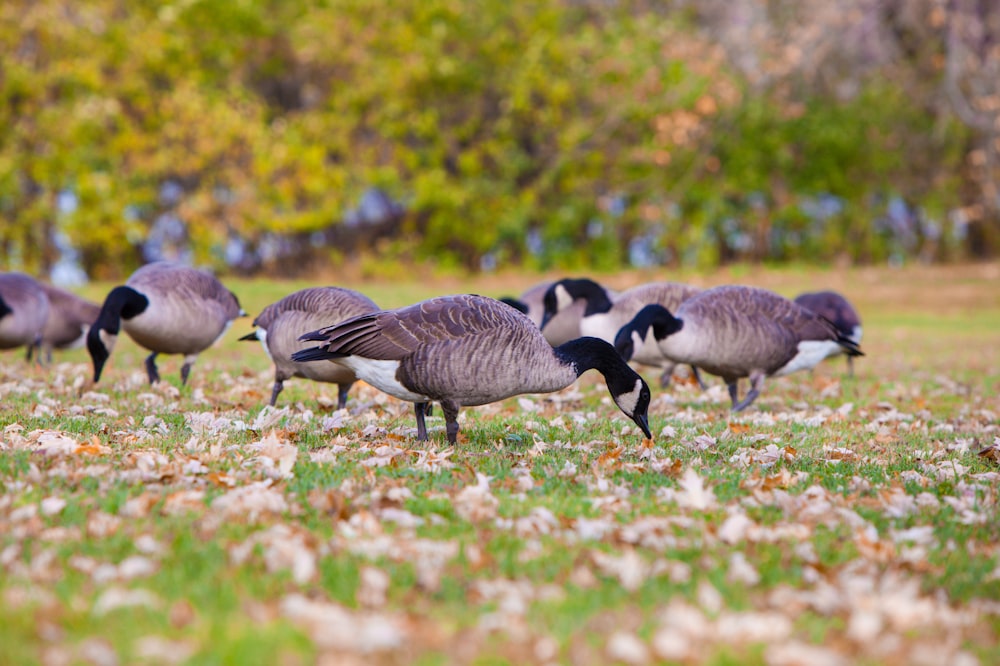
280,324
837,309
166,308
604,316
23,311
562,325
735,332
469,350
69,320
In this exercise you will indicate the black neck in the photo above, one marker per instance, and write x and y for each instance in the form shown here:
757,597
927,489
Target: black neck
4,308
595,295
659,319
122,303
592,354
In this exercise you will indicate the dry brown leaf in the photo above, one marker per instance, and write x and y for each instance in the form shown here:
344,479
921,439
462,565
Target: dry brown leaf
92,450
610,459
221,479
991,453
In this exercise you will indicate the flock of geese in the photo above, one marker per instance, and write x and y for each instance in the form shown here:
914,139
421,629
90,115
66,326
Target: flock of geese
458,350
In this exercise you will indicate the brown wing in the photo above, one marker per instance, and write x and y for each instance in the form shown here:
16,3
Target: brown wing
395,334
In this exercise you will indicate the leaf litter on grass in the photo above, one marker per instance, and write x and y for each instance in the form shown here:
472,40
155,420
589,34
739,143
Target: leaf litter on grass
827,533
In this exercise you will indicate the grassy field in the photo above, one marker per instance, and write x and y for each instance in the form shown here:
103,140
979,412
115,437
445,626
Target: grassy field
836,521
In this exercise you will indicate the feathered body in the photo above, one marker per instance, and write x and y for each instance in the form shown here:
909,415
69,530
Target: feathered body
280,324
736,332
167,308
24,309
468,350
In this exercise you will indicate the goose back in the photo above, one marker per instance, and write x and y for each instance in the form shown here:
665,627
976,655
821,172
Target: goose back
443,348
28,309
188,309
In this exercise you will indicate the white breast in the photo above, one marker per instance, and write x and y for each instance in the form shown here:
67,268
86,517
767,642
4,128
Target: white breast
810,353
382,375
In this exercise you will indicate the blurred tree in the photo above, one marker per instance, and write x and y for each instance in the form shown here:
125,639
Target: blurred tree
554,133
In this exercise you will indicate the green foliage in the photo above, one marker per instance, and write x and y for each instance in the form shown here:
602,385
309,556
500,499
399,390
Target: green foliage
489,122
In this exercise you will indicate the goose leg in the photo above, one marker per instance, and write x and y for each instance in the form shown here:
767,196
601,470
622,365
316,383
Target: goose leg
342,390
35,351
850,366
186,369
420,408
668,373
154,376
756,383
734,391
697,376
450,410
276,390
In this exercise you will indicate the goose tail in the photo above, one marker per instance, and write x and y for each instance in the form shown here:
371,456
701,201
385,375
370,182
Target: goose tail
850,346
315,354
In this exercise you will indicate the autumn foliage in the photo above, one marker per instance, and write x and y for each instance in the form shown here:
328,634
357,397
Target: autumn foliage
542,133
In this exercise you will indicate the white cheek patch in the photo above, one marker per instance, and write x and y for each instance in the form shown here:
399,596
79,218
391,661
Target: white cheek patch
382,375
628,401
810,353
563,299
107,339
262,336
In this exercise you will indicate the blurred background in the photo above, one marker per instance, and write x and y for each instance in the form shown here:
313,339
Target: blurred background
284,137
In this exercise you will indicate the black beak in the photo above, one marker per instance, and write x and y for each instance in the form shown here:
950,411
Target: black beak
642,420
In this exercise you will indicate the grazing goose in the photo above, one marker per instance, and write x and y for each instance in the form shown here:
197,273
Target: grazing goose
837,309
69,320
166,308
280,324
604,316
562,325
23,311
469,350
736,332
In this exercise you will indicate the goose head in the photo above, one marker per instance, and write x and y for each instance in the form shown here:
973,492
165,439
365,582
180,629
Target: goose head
654,317
563,293
629,391
633,399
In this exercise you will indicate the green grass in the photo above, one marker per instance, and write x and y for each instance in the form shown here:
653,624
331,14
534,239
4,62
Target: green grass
858,510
